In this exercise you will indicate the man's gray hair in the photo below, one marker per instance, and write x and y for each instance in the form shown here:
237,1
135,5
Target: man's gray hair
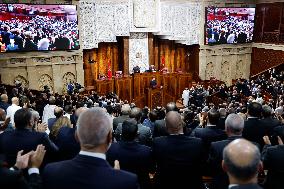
235,123
223,112
94,126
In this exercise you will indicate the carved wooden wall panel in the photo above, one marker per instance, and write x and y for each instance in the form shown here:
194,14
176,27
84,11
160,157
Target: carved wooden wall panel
263,59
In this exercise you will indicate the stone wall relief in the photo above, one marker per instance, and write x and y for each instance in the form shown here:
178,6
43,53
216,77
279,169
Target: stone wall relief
239,70
209,71
67,78
45,80
138,51
225,71
22,80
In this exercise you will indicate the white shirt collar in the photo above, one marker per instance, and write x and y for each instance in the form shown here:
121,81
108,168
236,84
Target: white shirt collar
93,154
232,185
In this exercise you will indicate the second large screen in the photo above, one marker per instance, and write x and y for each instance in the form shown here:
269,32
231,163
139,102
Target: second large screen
26,27
229,25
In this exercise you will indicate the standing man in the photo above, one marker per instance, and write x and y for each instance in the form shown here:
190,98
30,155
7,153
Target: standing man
241,161
12,109
185,97
89,169
153,83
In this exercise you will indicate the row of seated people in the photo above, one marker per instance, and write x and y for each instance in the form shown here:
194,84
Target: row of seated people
175,159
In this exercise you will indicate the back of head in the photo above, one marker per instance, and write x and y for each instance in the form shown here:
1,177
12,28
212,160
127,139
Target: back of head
94,127
174,123
2,114
254,109
58,112
136,113
213,116
125,109
15,101
129,130
22,118
171,106
266,111
4,98
241,160
223,112
234,124
52,100
153,116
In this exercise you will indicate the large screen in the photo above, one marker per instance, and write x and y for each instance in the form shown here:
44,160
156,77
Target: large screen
229,25
26,27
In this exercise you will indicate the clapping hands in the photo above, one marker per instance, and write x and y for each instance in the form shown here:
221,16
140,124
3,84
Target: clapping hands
32,159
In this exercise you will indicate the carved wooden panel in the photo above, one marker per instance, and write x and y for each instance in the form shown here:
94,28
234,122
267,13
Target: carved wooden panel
263,59
105,86
123,88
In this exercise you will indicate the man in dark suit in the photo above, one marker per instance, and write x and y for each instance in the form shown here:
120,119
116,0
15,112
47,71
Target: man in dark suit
273,162
211,132
132,156
4,102
241,161
178,157
89,169
23,138
268,122
234,125
58,112
254,130
221,122
125,110
153,83
145,134
13,178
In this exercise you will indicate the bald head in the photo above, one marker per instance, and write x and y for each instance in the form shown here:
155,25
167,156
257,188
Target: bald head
2,114
234,124
94,128
58,112
15,100
241,160
174,123
125,109
4,98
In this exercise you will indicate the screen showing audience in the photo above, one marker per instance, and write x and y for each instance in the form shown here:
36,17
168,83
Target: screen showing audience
26,27
229,25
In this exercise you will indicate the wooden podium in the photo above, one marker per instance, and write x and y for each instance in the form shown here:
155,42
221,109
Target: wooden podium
155,97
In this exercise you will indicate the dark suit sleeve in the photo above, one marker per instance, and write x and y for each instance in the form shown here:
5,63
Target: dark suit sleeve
118,132
35,181
49,145
212,161
266,156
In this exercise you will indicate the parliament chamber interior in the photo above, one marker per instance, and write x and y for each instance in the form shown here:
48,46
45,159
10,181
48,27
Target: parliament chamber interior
185,94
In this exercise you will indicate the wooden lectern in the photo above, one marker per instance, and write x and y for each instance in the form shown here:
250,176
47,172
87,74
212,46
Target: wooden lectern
155,97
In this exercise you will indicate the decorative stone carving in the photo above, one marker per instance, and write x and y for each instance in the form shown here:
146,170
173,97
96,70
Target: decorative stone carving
69,59
105,22
138,51
88,22
22,80
17,61
209,71
144,13
239,70
45,79
225,71
42,60
121,19
67,78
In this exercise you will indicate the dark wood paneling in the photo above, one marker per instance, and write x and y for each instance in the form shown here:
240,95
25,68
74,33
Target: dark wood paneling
123,88
263,59
269,23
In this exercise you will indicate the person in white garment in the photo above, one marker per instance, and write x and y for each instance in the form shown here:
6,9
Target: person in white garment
12,109
185,97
